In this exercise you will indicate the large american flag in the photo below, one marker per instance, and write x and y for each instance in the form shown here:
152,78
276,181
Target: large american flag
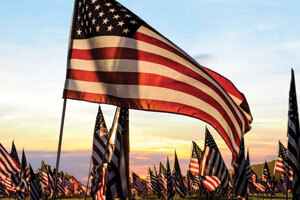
293,150
116,58
212,163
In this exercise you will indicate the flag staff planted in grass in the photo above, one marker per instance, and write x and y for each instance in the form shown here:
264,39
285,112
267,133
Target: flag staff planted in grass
64,102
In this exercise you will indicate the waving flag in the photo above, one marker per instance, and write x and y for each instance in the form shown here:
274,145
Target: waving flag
256,183
155,182
100,140
26,171
138,183
170,191
178,179
266,176
195,159
14,153
116,58
282,160
238,97
118,168
35,187
211,182
162,178
100,155
212,163
8,165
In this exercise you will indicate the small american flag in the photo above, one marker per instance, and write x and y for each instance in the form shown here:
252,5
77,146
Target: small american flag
282,160
256,183
266,176
26,171
162,178
118,167
170,191
195,160
14,153
138,183
241,177
155,182
248,167
178,179
212,163
100,141
116,58
35,187
9,166
211,182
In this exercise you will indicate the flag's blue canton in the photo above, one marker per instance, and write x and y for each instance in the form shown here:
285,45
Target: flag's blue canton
196,153
283,152
100,123
104,17
209,141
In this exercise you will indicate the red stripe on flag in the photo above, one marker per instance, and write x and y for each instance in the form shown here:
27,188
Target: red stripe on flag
133,78
133,54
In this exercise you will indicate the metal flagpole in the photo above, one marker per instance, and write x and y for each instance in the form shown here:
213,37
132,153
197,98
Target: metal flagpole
87,184
59,147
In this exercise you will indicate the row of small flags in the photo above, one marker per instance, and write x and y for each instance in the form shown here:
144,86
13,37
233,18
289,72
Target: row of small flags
19,181
167,183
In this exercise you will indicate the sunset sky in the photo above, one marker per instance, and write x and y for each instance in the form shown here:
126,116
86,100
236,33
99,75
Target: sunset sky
253,43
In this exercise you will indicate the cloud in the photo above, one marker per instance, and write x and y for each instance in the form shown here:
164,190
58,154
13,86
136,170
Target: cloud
203,56
292,45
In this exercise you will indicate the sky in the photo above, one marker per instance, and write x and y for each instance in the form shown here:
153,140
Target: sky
253,43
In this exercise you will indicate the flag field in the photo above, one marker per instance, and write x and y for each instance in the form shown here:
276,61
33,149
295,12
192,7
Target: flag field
255,197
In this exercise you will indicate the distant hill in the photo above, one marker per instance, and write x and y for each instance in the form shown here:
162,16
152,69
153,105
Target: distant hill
258,169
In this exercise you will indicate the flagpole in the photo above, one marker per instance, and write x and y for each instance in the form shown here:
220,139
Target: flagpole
87,184
59,146
71,33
